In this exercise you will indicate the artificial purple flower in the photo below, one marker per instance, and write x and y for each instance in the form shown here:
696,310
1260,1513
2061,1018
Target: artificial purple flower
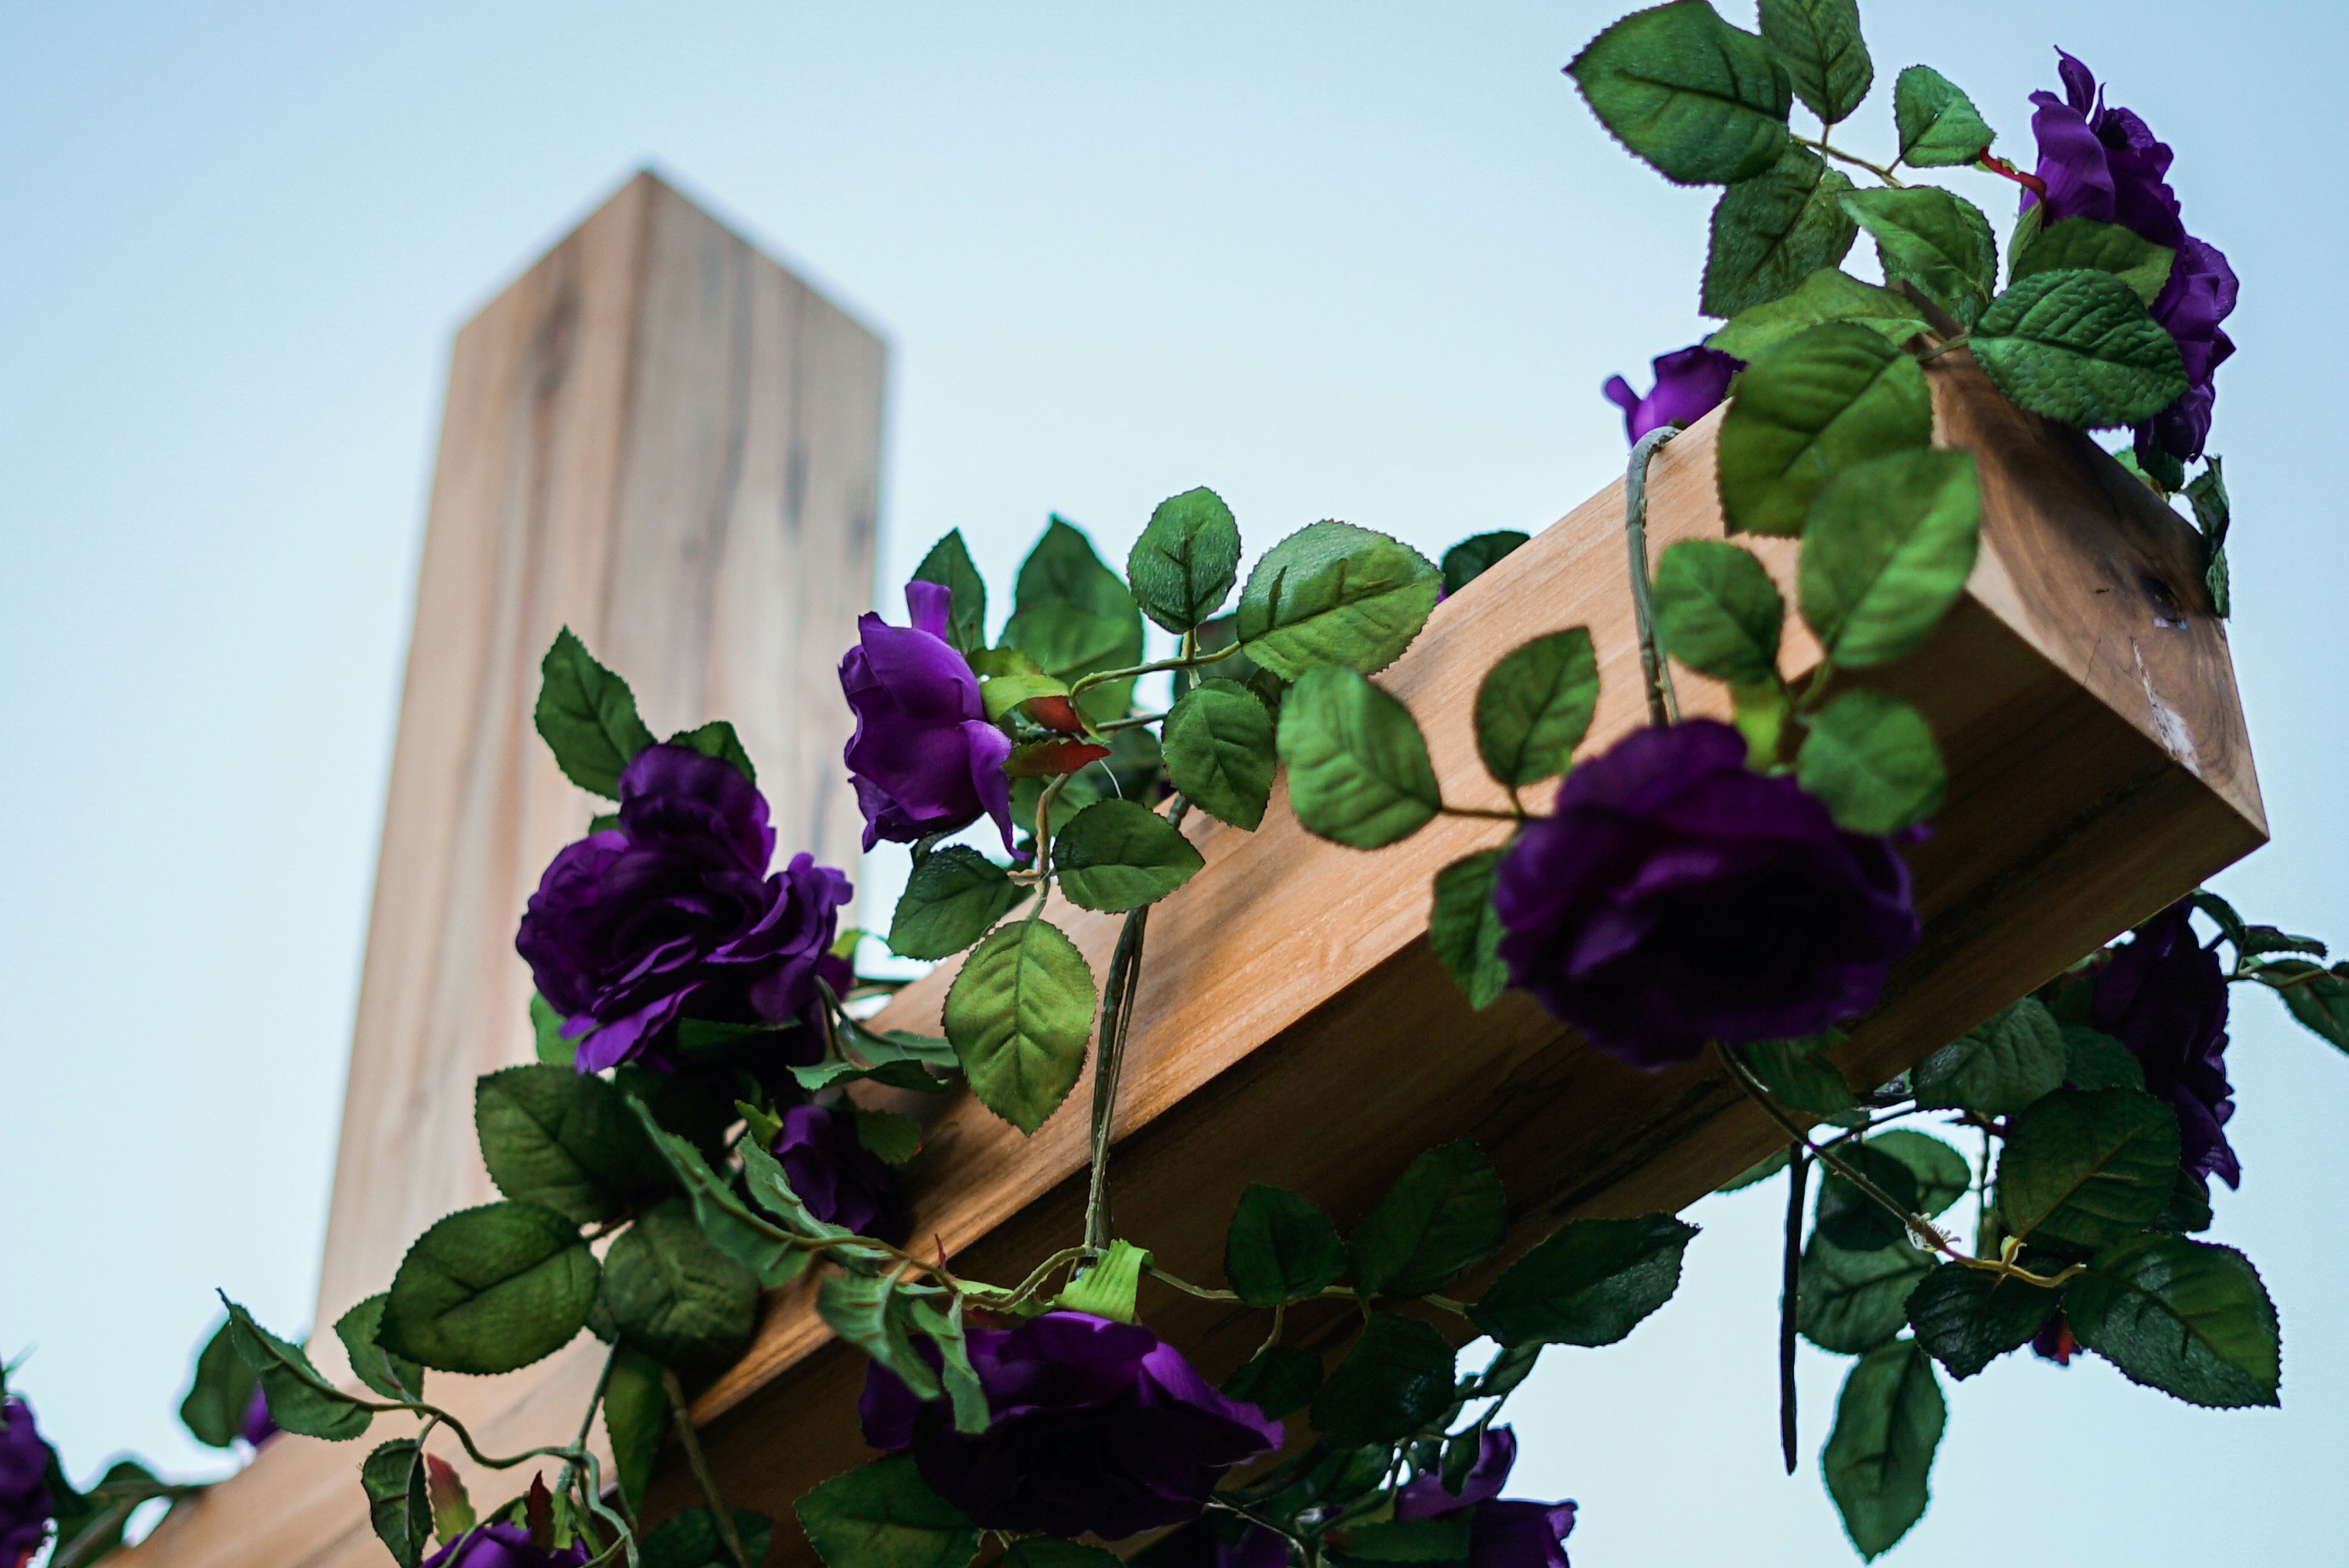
1676,896
2104,162
673,913
2163,996
841,1181
1099,1427
256,1427
1505,1532
504,1546
1690,382
923,759
25,1505
2053,1342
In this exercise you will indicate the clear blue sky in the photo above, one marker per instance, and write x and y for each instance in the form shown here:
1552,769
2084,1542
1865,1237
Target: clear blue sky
1357,261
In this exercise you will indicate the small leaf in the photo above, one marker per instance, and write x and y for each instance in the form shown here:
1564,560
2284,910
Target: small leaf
885,1515
2318,997
718,742
890,1136
1819,44
1828,295
1718,611
2093,1059
2087,1167
1967,1318
1941,1173
1939,125
1851,1303
690,1540
393,1376
1108,1286
1873,759
1772,232
1280,1381
1534,707
1331,593
1477,554
1591,1282
452,1510
587,717
1218,744
214,1410
953,898
490,1290
1443,1215
966,1396
564,1140
1855,1221
2187,1317
1703,102
1799,1076
1280,1247
1464,930
1018,1015
2078,345
398,1504
1997,1068
1938,241
949,565
1888,1423
637,1418
1117,855
2101,247
547,1033
1074,616
1181,568
1358,772
1889,548
299,1399
673,1295
1811,408
866,1311
1396,1379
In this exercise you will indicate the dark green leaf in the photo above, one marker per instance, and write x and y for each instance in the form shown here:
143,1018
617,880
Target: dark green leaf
1889,548
393,1376
949,565
1443,1215
694,1106
1851,1303
2093,1059
767,1249
398,1504
2187,1317
1534,707
673,1295
1396,1379
2212,513
1967,1318
1280,1247
1466,931
2189,1208
1702,101
299,1399
1799,1076
1888,1423
1591,1282
1939,125
1280,1381
564,1140
1772,232
1358,772
2077,345
718,742
1440,1540
890,1136
1819,44
489,1290
1808,409
214,1409
1852,1220
1183,566
1717,610
1018,1015
866,1311
2087,1167
2318,997
1331,593
1474,556
1940,243
965,1394
1828,295
690,1540
1117,855
1997,1068
900,1060
953,898
1218,744
885,1516
1941,1173
587,717
636,1418
1511,1364
2077,243
1873,759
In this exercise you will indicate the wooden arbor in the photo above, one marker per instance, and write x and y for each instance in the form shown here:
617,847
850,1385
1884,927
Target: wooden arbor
2099,767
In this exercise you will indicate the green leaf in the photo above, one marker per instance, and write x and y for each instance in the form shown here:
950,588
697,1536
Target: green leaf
2094,1059
2187,1317
547,1033
1534,707
399,1505
765,1249
1939,125
1818,42
1828,295
1888,1423
1808,409
452,1510
1718,611
564,1140
1108,1286
1074,616
1873,759
964,1396
1117,855
1941,1173
1018,1015
1938,241
1967,1318
587,717
1280,1381
690,1540
885,1515
1359,773
637,1418
2318,997
1477,554
2087,1167
1443,1215
2207,491
949,565
1049,1551
718,742
299,1399
1396,1379
1997,1068
1772,232
1591,1282
1848,1217
866,1311
1280,1247
1331,593
214,1410
953,898
1889,548
1218,745
1799,1075
900,1060
2078,347
489,1290
2077,243
1703,102
673,1295
1439,1539
890,1136
1183,566
393,1376
1466,931
1851,1303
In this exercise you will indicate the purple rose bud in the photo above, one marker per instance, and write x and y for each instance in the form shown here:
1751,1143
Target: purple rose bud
256,1427
504,1546
1099,1429
924,758
840,1180
2163,996
673,913
1506,1534
1690,382
1676,896
25,1505
2053,1342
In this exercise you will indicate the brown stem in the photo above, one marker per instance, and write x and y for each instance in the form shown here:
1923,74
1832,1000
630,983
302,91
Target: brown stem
719,1514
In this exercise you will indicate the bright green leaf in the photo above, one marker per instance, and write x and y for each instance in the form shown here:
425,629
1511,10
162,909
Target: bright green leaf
1183,566
1888,550
564,1140
214,1410
1828,295
2088,242
397,1503
1717,610
1939,125
1331,593
718,742
1873,759
587,717
393,1376
1358,772
1997,1068
1808,409
1534,707
1218,745
953,898
1703,102
1466,931
1818,42
2077,345
489,1290
1018,1015
949,565
1939,242
673,1295
1117,855
1772,232
300,1401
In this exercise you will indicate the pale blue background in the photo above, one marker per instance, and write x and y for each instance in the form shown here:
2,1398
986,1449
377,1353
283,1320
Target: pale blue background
1368,261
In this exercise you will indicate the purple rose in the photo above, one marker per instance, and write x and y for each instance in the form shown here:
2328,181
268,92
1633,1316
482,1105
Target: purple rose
504,1546
1505,1534
673,913
256,1427
2163,996
25,1505
840,1180
1676,896
1690,382
2103,162
1099,1429
923,759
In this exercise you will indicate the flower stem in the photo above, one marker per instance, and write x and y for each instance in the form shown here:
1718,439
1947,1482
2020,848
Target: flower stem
1881,171
1117,1012
719,1514
1663,708
1180,662
1798,1169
